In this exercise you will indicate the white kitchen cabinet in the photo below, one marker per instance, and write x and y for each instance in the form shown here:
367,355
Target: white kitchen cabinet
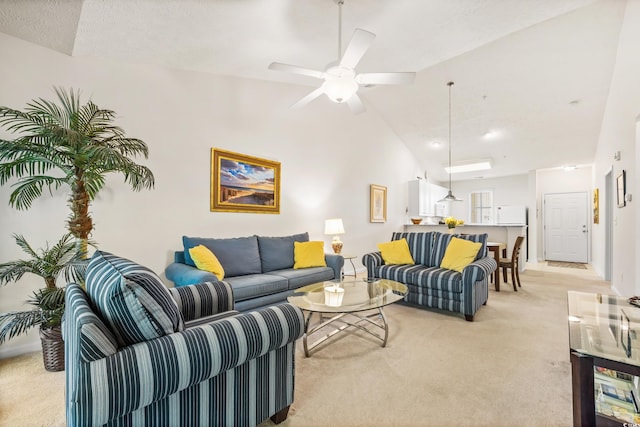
423,197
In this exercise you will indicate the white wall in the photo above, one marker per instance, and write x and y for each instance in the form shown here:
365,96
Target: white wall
618,133
508,190
329,158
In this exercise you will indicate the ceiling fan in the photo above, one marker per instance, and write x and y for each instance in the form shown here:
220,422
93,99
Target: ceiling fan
341,82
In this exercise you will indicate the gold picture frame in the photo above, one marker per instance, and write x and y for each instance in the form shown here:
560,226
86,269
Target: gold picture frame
377,203
241,183
596,206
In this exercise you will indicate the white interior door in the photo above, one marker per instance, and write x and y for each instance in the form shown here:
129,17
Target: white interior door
566,227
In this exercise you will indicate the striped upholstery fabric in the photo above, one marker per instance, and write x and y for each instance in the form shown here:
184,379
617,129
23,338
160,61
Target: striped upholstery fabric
432,286
203,299
439,279
441,241
95,340
131,299
419,244
237,371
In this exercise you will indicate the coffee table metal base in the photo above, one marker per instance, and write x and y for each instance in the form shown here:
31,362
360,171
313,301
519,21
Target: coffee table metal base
366,323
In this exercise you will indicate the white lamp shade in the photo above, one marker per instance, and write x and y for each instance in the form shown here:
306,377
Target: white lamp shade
333,226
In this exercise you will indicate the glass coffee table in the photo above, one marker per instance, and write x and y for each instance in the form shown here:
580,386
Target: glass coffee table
345,303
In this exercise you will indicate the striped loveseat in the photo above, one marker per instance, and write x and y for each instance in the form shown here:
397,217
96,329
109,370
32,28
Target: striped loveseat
432,286
139,354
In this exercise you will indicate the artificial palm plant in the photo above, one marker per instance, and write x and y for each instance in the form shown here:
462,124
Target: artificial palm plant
67,144
64,258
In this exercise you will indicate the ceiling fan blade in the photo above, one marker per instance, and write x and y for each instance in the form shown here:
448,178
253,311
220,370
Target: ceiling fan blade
307,99
358,45
296,70
355,104
385,78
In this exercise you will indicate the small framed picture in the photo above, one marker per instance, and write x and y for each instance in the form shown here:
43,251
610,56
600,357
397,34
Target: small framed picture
621,189
378,203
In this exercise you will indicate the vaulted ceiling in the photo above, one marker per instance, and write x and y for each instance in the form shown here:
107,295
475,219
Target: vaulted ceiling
535,73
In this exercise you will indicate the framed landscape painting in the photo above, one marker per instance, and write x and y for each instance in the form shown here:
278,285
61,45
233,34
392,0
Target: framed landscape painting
241,183
378,203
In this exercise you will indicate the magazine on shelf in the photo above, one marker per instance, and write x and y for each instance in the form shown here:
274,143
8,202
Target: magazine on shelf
613,390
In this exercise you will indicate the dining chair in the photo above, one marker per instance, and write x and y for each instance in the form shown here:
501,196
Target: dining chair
512,263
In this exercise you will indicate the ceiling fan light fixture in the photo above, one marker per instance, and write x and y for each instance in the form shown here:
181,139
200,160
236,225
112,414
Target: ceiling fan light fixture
339,84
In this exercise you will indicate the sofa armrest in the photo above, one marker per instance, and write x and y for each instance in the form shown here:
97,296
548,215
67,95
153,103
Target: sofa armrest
203,299
336,262
178,361
183,274
372,261
479,269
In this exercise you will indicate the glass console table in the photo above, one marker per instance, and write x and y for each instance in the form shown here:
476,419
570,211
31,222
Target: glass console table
605,359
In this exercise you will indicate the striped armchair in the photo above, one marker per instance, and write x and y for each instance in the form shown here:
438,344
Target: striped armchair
432,286
216,368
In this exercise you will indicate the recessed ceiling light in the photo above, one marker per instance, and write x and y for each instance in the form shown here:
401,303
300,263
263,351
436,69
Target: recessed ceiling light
492,134
569,168
435,144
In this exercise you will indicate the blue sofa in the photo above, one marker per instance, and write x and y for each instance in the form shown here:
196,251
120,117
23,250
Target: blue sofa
259,269
432,286
139,354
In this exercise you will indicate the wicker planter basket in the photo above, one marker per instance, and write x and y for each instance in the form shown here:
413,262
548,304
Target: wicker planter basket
52,349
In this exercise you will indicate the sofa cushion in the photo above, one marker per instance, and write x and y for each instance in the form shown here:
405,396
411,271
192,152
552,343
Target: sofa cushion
206,260
459,254
276,253
419,245
308,254
398,272
131,299
438,278
239,256
440,243
256,285
307,276
396,252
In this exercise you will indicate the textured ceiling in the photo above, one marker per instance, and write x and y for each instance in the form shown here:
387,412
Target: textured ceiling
537,71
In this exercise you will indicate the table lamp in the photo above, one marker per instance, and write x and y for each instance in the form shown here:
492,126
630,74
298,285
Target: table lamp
334,226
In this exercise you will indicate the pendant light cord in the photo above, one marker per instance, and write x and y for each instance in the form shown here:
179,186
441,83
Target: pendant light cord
340,3
450,84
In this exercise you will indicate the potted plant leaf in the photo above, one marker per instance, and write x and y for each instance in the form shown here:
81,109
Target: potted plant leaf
67,144
64,258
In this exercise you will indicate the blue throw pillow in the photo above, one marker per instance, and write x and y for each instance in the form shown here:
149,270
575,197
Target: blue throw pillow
276,253
239,256
131,299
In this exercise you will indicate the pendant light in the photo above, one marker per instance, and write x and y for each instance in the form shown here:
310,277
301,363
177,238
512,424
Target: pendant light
450,197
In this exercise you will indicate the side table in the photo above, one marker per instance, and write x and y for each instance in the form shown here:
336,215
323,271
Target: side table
350,258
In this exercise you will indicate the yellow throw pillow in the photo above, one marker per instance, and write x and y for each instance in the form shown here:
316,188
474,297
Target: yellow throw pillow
459,254
396,252
206,260
308,254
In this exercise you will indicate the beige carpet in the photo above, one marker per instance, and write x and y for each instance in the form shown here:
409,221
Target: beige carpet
509,367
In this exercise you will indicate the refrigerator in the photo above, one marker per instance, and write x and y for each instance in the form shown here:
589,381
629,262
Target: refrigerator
511,215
